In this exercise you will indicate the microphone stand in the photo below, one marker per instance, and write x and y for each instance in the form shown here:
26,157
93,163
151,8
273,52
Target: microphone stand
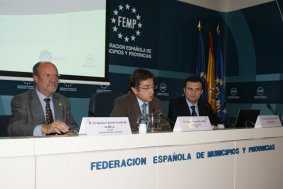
154,110
268,105
271,109
169,120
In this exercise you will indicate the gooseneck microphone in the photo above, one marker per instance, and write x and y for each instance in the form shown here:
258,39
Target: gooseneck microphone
154,110
268,105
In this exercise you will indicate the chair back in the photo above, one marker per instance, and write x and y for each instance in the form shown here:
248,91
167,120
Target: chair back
4,121
101,104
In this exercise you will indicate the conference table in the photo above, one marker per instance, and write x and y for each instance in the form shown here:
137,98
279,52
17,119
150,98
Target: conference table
218,159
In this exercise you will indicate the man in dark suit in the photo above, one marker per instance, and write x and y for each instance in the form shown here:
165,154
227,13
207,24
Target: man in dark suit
189,104
141,86
30,115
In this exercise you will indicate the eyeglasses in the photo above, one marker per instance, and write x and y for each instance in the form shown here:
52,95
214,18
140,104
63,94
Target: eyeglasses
49,76
147,88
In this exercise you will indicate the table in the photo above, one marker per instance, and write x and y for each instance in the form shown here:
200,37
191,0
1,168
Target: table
224,159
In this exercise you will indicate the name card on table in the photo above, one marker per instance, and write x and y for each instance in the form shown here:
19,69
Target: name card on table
264,121
105,126
192,123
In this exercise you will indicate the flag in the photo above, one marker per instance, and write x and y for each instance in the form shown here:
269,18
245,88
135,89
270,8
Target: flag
220,86
200,64
210,75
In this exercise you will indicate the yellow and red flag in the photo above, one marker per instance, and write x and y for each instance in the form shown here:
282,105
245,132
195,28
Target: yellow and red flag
210,75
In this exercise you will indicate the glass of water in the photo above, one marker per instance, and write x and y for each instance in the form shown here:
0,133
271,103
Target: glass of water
153,122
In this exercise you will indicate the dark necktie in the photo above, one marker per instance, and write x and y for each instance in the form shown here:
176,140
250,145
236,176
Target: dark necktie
194,111
144,109
49,116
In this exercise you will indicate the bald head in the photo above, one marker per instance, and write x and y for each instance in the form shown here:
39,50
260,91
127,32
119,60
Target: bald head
45,75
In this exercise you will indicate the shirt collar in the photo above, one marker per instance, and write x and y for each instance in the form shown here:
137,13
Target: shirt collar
191,104
42,96
141,102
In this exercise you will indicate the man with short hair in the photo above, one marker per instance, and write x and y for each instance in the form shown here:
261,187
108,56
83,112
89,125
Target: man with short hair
41,111
190,104
141,96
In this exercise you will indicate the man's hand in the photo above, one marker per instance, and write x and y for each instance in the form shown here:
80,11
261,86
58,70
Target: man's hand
57,127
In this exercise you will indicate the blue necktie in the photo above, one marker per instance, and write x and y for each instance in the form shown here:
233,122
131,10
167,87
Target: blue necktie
194,111
144,108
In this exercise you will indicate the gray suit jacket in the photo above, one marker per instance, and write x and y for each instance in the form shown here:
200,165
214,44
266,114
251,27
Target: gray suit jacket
128,106
27,113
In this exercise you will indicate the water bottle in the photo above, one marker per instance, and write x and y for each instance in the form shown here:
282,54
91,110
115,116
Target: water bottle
142,125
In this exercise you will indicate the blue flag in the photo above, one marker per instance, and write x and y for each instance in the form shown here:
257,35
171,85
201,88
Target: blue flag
220,86
201,64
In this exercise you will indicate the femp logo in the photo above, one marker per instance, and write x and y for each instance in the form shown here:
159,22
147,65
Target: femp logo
260,93
233,93
126,23
68,87
126,27
162,90
163,87
26,85
103,88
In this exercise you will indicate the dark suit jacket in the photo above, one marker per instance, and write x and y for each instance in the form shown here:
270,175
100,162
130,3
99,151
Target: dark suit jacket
179,107
27,113
128,106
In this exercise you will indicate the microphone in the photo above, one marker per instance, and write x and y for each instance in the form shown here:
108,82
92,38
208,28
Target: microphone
268,105
154,110
170,121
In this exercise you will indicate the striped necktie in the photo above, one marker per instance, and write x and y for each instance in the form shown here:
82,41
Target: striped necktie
49,116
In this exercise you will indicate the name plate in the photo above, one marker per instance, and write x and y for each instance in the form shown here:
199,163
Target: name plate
105,126
264,121
192,123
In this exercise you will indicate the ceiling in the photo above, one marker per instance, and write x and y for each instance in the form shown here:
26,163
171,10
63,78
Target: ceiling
225,5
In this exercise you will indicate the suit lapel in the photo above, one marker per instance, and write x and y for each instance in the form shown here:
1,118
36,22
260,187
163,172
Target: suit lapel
134,112
137,110
58,107
201,109
37,108
186,107
154,106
